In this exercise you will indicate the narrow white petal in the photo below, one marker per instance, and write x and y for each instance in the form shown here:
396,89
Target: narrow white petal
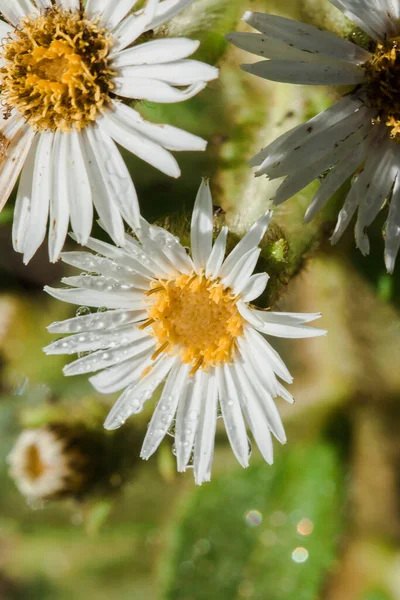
107,358
306,37
41,193
187,417
250,241
283,393
232,414
278,329
102,193
59,208
72,5
102,284
14,160
151,257
156,52
172,248
95,8
240,274
202,226
266,352
98,321
116,177
15,10
130,28
286,318
165,410
134,397
114,12
267,47
205,434
154,90
369,17
179,73
254,287
138,144
24,197
78,188
164,266
90,341
392,229
43,3
166,10
289,71
121,375
263,370
347,212
217,254
5,29
82,297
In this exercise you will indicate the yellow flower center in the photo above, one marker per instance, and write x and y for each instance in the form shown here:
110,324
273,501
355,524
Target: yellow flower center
196,317
34,466
383,89
55,71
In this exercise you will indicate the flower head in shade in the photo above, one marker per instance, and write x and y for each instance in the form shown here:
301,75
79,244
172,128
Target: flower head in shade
184,321
359,136
49,462
65,66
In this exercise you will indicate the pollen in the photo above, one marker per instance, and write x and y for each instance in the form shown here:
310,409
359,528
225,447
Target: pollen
196,318
383,75
55,71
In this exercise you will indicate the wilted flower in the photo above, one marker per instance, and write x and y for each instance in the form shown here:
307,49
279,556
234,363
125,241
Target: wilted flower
186,320
357,136
63,67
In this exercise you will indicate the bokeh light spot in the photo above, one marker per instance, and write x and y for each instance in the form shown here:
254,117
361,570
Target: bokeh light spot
299,555
253,518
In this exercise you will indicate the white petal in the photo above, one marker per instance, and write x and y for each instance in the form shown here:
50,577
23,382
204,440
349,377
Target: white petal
59,209
43,3
41,193
100,283
72,5
156,52
16,155
166,10
150,256
286,318
277,329
202,226
285,394
16,10
102,192
154,90
121,375
347,212
132,400
23,202
172,248
98,321
217,254
265,351
82,297
95,8
164,266
232,414
392,229
263,370
205,434
140,145
368,16
250,241
165,410
116,177
267,47
187,417
114,12
177,73
306,37
239,276
255,287
128,30
5,29
107,358
289,71
90,341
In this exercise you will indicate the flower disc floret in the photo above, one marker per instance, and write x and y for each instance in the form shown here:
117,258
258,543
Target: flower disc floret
198,317
56,71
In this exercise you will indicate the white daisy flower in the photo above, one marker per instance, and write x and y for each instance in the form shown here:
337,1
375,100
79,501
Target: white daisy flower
63,69
187,321
358,135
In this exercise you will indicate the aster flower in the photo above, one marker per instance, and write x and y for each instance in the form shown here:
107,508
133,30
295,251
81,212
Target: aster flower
64,68
357,136
186,320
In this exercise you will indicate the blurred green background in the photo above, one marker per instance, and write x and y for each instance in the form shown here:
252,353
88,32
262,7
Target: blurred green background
324,521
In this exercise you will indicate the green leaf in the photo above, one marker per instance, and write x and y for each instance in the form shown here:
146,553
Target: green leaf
242,534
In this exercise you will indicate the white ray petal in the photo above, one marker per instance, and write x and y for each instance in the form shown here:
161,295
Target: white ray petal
114,12
102,284
102,193
306,37
98,321
24,197
116,177
41,193
107,358
109,268
250,241
163,264
5,29
134,397
278,329
217,255
90,341
16,10
150,256
232,414
263,370
289,71
267,47
72,5
392,229
254,287
266,352
43,3
286,318
130,28
154,90
121,375
187,417
156,52
138,144
368,16
179,73
202,226
164,413
78,189
59,206
16,156
95,8
240,274
205,434
172,248
82,297
166,10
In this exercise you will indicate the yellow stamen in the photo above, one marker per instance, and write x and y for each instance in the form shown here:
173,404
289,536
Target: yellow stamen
154,290
56,71
146,324
160,350
197,317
